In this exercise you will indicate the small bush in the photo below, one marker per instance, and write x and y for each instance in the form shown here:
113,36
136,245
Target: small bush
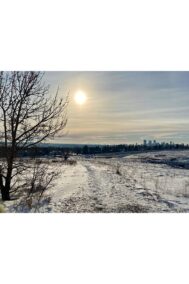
37,183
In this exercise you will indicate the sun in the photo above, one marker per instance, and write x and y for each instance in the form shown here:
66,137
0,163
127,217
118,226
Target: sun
80,97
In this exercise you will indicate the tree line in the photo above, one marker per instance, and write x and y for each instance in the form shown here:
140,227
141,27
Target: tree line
43,150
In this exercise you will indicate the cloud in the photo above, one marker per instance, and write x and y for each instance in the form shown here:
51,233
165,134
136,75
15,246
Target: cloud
126,106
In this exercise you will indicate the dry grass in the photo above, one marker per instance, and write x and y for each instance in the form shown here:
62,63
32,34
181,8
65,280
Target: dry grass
2,209
132,208
70,162
118,171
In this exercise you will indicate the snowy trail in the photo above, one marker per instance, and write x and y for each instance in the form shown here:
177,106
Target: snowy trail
96,185
113,192
70,189
72,181
121,193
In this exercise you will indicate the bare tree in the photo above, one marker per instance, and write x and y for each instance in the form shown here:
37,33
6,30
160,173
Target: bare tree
28,116
40,180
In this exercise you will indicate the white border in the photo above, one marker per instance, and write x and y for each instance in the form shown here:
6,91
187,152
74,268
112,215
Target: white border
94,35
94,248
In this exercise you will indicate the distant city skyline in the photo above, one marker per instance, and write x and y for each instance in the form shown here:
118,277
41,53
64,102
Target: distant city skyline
124,107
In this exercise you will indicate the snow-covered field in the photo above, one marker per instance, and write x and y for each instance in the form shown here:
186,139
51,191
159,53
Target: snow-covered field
148,182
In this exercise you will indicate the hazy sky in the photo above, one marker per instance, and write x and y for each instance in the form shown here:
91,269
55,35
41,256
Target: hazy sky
125,107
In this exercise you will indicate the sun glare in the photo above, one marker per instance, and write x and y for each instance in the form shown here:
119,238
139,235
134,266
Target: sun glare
80,97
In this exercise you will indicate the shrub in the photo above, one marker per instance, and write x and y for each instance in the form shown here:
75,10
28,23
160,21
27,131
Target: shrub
38,183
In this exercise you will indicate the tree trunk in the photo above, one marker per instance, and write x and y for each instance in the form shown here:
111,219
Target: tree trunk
5,189
8,183
5,192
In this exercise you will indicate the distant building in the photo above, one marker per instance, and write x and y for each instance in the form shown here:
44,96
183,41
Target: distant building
145,143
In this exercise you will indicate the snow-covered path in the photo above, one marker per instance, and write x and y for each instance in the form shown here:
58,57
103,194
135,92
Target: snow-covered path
94,186
115,192
115,185
72,181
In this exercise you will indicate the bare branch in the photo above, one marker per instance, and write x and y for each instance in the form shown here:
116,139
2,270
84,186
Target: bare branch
28,115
